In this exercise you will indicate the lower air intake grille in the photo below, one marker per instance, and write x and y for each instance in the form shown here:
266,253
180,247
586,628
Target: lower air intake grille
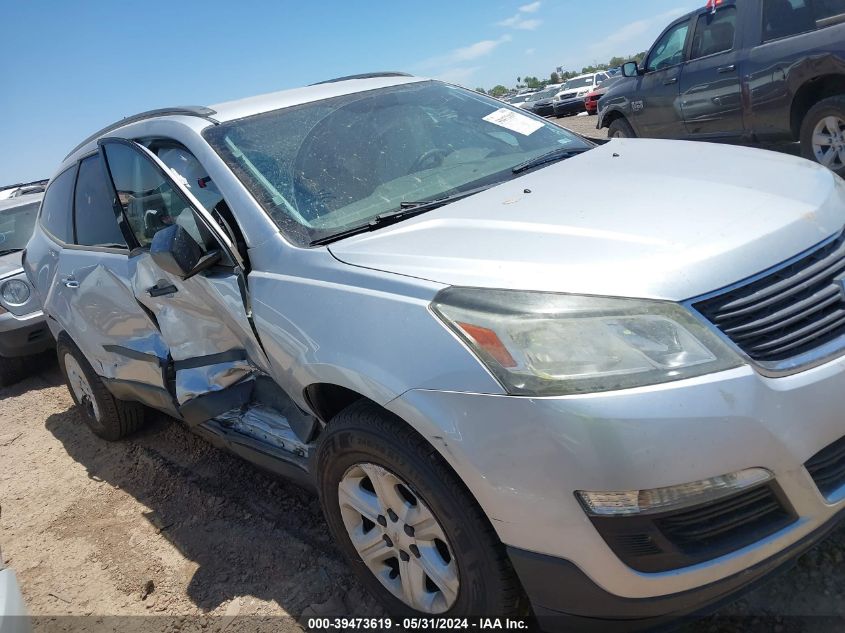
680,538
827,467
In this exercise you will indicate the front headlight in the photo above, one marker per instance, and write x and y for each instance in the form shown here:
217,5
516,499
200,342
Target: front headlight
15,292
546,344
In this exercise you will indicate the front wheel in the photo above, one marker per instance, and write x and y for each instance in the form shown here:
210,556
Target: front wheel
823,134
620,128
408,527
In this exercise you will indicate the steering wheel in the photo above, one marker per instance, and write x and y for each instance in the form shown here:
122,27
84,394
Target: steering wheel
434,156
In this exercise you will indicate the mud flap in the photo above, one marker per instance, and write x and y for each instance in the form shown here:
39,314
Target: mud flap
209,405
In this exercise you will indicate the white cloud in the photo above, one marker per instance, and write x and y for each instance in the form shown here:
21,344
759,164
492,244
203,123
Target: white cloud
458,75
519,21
466,53
530,51
635,35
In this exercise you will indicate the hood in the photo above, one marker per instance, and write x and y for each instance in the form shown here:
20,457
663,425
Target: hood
9,264
657,219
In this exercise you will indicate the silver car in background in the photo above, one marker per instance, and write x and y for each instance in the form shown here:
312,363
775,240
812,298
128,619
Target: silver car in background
23,332
615,409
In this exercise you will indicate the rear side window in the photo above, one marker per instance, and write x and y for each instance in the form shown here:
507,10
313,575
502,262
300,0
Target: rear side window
56,216
714,33
96,224
782,18
829,10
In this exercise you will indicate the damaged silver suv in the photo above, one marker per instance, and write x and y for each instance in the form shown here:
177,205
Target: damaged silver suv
509,399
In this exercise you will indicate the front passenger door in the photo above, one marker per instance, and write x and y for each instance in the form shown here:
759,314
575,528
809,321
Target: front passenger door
655,107
204,318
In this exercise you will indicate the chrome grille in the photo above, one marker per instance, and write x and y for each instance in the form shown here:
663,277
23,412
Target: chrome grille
790,311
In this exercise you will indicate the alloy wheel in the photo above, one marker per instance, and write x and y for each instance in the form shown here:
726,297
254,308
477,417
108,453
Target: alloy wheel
398,538
829,142
80,387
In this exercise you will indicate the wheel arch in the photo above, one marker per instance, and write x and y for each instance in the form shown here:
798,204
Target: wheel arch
809,94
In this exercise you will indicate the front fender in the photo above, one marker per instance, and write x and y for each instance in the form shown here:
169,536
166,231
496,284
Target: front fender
365,330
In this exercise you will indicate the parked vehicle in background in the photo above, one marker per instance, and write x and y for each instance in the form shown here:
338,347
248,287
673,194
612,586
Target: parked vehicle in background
23,332
22,189
517,100
540,103
752,72
371,285
570,99
591,101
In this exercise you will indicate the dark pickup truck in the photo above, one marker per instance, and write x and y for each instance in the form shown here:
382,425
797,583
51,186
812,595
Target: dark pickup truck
749,72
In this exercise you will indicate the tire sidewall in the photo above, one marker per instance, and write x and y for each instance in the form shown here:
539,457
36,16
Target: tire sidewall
100,427
344,447
832,106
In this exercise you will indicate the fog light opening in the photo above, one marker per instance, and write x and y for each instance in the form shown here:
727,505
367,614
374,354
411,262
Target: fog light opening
636,502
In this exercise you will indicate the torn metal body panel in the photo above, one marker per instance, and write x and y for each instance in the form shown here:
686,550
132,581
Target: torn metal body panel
204,323
266,425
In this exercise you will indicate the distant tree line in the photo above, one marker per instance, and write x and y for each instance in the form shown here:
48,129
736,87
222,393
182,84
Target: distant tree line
556,78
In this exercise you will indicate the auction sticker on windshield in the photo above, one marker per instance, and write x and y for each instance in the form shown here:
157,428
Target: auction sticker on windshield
514,121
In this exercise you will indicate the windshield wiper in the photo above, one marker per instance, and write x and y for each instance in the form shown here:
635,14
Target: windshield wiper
406,210
7,251
549,157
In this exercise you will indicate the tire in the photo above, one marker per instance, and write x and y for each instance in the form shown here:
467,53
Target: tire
364,439
620,128
106,416
11,370
827,120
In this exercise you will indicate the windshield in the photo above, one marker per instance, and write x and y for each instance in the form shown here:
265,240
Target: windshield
323,167
16,226
582,82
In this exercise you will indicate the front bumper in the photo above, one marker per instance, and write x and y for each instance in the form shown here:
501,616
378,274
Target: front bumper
544,110
585,606
572,106
24,335
523,458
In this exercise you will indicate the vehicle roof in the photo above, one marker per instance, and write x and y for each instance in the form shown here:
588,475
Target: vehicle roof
21,201
240,108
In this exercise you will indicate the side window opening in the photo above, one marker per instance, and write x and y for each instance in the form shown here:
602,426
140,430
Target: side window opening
94,216
714,33
188,170
56,216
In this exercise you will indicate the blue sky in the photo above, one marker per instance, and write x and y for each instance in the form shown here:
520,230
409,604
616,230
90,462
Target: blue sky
70,68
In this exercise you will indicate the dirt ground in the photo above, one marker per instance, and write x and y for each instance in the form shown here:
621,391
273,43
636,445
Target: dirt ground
164,524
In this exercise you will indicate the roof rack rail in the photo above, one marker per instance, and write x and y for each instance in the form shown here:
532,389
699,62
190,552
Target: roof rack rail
388,73
200,111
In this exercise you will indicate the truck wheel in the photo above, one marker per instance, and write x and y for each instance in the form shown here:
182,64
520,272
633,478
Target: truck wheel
620,128
11,371
823,134
409,528
108,417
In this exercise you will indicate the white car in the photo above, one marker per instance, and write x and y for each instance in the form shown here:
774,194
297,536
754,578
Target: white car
570,99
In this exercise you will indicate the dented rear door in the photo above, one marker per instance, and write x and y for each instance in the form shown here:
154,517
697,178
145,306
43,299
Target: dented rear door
89,292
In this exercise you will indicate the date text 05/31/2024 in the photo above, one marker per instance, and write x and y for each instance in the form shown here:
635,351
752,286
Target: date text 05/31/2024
422,624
